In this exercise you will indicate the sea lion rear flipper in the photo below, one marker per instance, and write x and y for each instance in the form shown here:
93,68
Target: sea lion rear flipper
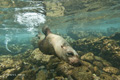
46,30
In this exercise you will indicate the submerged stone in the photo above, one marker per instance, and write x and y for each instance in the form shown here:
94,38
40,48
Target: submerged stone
65,69
39,58
105,47
115,36
98,64
54,9
88,57
104,62
10,73
26,75
82,76
97,71
41,75
82,73
105,76
111,70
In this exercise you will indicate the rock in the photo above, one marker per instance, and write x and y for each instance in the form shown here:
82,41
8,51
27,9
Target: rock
96,77
37,57
104,46
53,63
10,73
59,78
65,69
104,62
105,76
82,73
111,70
16,48
54,9
88,57
96,70
26,75
89,65
7,4
41,75
98,58
116,77
9,67
115,36
82,76
80,53
37,54
98,64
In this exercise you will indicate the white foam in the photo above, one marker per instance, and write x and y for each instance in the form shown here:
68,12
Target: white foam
30,19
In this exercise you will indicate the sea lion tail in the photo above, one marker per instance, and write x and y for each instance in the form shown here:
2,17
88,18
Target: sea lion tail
46,30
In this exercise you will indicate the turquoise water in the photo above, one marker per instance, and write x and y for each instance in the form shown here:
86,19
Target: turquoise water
21,20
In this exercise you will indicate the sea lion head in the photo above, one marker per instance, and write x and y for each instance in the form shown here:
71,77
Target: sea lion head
71,56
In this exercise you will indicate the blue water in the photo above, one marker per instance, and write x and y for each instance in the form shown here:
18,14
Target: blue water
20,23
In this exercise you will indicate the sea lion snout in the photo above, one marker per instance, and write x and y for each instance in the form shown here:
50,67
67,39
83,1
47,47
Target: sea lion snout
74,60
70,55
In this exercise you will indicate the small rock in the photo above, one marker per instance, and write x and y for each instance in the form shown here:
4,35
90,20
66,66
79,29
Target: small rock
88,57
64,68
106,63
116,77
41,75
98,64
89,65
111,70
37,55
82,73
53,62
54,9
96,77
59,78
26,75
105,76
96,70
10,73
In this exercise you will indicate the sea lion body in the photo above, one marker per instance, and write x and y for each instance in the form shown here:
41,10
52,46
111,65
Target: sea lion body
46,47
57,45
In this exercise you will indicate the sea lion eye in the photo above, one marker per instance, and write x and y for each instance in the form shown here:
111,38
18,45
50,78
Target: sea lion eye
70,54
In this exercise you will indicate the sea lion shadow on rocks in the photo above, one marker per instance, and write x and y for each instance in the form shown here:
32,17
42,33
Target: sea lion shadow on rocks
56,45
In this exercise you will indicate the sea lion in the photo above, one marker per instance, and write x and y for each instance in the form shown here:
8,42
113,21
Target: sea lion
57,45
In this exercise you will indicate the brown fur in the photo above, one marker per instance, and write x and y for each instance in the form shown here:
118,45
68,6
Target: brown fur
55,44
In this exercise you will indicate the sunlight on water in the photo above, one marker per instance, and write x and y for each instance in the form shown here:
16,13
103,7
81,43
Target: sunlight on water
30,19
22,23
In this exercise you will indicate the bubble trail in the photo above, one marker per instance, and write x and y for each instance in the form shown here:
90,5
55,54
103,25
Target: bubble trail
7,39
